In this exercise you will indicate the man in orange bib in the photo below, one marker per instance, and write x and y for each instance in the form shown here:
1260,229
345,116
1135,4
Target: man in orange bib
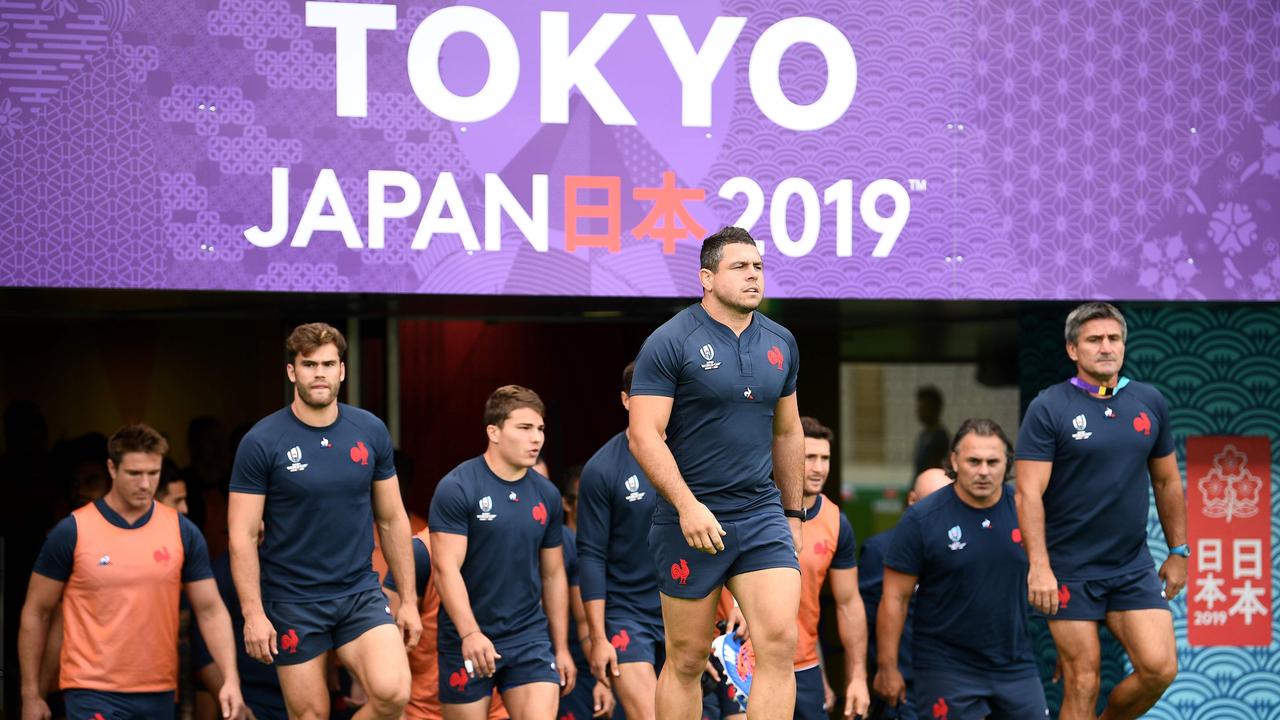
119,565
829,554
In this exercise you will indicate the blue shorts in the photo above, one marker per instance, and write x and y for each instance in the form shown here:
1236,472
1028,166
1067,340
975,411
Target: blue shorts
810,695
578,705
520,665
103,705
756,543
1093,599
307,630
880,710
267,703
964,694
636,638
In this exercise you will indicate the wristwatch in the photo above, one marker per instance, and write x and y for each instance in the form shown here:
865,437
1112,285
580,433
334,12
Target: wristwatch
797,514
1184,550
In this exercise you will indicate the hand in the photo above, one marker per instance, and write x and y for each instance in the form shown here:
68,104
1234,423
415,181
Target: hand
711,670
1174,574
828,695
602,701
736,624
1057,671
231,702
604,661
890,686
701,529
856,699
259,637
410,624
568,671
480,652
1042,589
35,708
797,533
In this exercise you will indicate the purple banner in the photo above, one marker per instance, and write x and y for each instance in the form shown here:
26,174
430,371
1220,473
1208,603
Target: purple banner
876,149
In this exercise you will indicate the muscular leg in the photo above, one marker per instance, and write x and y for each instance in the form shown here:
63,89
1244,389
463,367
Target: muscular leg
378,660
535,701
770,600
689,628
305,688
1080,655
636,686
1147,636
478,710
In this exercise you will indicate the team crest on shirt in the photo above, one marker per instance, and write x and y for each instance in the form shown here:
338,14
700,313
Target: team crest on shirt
708,353
954,535
295,459
486,504
633,488
104,560
513,497
986,523
324,443
1080,423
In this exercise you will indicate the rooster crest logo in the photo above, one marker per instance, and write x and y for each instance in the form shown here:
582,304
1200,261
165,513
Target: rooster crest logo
680,571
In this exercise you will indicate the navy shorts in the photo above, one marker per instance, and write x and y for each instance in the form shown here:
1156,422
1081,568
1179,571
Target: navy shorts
520,665
810,695
578,705
756,543
103,705
636,638
1093,599
880,710
964,694
307,630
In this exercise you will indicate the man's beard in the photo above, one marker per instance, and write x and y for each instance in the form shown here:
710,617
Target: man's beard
305,395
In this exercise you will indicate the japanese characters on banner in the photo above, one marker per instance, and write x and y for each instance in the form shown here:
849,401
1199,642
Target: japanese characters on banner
1229,524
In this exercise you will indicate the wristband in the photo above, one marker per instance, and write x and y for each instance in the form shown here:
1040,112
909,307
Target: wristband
1184,550
797,514
464,637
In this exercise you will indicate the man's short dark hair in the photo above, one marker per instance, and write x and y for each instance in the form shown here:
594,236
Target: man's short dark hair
713,246
135,438
816,430
984,427
930,393
1093,311
628,372
169,474
509,398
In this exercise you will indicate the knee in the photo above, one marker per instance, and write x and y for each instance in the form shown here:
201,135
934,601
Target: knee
1158,676
1081,679
388,698
774,643
686,659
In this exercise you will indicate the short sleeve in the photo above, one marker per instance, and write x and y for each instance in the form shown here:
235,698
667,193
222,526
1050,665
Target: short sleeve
383,451
421,569
594,521
58,554
657,369
195,552
846,547
251,472
450,509
1036,437
571,559
906,553
1164,433
793,369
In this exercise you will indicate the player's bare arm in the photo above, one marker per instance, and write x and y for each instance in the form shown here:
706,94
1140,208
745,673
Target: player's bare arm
851,619
244,527
43,596
1171,506
555,600
645,434
397,547
788,458
890,619
215,627
1042,586
447,553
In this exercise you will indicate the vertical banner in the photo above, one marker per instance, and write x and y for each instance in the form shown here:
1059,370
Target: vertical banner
1229,524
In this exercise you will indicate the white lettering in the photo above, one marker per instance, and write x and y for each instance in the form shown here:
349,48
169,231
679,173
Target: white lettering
766,84
327,190
445,194
698,69
380,208
498,199
424,63
564,69
352,23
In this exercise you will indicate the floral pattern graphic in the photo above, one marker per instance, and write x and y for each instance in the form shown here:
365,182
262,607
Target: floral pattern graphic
1167,268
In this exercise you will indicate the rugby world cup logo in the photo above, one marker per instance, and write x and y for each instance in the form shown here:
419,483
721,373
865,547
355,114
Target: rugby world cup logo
295,459
708,352
954,535
633,484
295,454
1080,423
486,504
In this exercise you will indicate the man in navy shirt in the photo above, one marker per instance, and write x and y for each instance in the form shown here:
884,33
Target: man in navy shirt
1087,450
318,473
971,651
716,426
495,552
615,511
871,586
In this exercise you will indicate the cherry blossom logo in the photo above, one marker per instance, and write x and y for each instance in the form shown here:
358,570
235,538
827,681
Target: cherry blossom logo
1230,490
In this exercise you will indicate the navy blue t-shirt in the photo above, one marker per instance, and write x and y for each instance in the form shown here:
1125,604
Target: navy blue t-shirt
58,555
871,586
507,524
573,568
615,509
971,569
258,681
725,388
421,569
318,482
1095,506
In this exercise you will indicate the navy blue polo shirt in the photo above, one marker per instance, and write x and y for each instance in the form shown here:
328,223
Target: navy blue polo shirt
615,509
507,525
318,482
971,569
1096,503
58,554
724,389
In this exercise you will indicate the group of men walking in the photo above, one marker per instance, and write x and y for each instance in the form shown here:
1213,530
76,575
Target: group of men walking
715,484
